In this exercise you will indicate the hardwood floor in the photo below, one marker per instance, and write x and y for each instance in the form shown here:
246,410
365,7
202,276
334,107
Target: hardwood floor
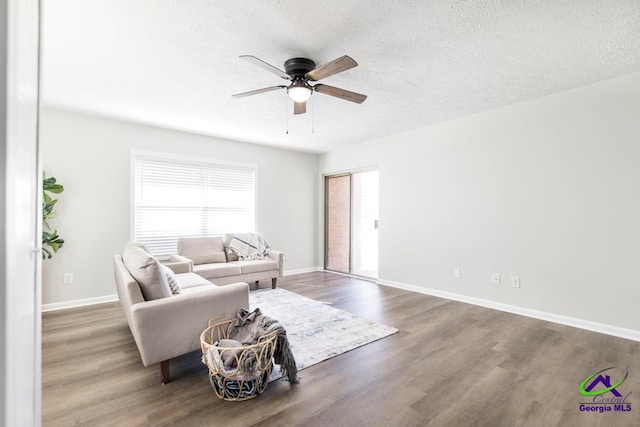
451,364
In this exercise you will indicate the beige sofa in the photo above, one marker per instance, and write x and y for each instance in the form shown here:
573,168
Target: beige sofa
165,325
211,258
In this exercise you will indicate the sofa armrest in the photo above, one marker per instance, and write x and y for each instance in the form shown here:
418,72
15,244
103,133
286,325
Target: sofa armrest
179,266
170,327
181,259
279,257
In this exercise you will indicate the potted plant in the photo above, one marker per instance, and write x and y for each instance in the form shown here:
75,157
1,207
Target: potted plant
50,236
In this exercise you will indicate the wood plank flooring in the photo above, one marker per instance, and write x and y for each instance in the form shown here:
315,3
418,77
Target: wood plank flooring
451,364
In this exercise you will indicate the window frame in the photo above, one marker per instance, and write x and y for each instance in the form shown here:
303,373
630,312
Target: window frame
156,155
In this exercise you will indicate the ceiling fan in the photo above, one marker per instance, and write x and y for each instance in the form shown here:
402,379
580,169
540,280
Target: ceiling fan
302,71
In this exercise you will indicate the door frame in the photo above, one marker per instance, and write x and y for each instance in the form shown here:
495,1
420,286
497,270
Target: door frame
325,176
20,212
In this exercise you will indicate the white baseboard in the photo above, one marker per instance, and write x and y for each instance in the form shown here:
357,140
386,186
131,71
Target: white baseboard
603,328
78,303
301,271
110,298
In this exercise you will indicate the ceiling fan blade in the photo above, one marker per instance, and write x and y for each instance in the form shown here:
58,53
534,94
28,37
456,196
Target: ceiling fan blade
299,107
257,91
347,95
329,69
260,63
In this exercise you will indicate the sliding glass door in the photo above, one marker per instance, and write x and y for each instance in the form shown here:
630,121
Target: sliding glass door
337,223
364,224
351,223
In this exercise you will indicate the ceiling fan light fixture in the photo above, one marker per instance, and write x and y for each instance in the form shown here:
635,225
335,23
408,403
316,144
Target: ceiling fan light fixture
299,91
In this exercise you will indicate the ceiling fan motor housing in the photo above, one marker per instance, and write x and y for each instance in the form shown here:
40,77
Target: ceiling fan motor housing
298,67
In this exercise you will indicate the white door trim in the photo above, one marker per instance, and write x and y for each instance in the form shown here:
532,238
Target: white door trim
20,211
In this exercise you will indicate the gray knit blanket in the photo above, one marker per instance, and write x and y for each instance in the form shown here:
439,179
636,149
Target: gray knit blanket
249,326
249,245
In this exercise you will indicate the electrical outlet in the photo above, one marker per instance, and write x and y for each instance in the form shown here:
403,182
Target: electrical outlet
457,273
495,278
67,278
287,257
515,281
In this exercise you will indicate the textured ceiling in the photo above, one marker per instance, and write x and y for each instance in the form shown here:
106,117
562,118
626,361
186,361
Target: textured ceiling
175,63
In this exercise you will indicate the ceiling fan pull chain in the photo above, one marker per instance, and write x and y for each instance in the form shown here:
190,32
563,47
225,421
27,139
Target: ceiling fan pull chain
286,116
313,116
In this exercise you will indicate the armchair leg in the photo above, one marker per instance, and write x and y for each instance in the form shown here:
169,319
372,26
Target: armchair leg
164,372
273,282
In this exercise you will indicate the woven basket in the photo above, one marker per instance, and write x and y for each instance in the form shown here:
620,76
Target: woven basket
248,368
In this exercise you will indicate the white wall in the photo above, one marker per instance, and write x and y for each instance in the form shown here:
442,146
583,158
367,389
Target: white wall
90,156
548,190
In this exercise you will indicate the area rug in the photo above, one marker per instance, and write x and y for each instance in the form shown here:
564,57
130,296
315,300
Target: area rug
316,331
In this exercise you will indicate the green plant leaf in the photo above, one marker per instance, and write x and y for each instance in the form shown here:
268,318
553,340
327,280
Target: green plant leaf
50,236
47,181
54,188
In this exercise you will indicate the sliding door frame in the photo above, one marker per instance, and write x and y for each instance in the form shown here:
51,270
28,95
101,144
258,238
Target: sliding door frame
326,177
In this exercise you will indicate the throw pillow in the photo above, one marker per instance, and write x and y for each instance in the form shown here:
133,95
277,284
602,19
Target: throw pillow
132,243
147,271
172,280
231,254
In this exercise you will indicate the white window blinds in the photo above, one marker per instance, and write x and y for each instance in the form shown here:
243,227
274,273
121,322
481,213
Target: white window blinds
181,198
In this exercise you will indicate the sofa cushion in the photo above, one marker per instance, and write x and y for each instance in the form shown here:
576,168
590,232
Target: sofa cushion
257,266
211,271
147,271
192,280
172,280
202,250
231,254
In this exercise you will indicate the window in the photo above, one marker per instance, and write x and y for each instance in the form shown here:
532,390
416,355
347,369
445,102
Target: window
179,197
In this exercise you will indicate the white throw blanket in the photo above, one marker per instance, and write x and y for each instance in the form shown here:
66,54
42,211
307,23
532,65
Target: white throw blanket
249,245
